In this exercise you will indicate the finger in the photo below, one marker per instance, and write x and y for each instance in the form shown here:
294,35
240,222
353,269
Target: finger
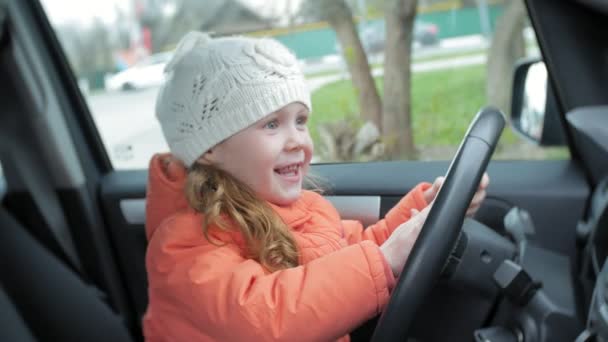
485,181
479,196
438,182
421,216
425,210
414,212
476,202
472,210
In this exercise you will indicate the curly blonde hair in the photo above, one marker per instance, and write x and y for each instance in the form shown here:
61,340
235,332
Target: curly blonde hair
218,195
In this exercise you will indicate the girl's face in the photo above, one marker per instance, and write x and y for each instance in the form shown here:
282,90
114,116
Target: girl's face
271,156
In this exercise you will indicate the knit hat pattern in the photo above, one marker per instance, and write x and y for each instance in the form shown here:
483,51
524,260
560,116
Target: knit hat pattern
216,87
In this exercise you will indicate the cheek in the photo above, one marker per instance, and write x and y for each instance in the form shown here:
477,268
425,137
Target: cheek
256,167
308,147
251,175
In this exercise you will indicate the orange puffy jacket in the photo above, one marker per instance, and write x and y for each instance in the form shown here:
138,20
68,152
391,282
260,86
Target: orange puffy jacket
201,292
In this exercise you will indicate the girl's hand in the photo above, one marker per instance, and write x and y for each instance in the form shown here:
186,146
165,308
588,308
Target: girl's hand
397,248
480,194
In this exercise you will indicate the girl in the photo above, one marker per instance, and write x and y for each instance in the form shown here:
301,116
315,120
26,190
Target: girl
246,254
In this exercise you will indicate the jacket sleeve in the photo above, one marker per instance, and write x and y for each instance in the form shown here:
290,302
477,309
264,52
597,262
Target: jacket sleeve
354,231
232,298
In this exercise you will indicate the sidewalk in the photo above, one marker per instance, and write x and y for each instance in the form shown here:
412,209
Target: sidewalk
475,44
315,83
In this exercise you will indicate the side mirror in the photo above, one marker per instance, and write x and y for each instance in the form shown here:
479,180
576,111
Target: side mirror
534,111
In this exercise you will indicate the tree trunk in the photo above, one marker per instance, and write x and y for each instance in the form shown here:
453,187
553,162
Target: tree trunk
507,47
396,114
369,101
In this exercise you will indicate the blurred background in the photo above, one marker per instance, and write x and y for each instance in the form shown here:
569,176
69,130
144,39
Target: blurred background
390,79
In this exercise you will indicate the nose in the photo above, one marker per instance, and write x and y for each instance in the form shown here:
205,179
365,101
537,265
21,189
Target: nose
295,139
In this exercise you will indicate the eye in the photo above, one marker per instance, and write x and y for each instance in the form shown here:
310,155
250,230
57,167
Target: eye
272,124
302,120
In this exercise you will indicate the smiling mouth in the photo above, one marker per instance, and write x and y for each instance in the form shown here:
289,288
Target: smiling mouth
292,170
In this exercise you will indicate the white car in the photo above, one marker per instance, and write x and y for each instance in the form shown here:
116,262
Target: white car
146,73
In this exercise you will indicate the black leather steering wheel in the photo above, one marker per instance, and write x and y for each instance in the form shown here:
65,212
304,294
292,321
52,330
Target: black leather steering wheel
442,227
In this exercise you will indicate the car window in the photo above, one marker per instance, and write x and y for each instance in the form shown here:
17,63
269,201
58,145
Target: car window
461,58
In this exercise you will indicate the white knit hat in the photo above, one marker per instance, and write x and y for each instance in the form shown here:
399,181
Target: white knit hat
215,87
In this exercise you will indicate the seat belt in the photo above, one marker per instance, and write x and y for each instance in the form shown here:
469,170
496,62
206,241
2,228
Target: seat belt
47,203
49,207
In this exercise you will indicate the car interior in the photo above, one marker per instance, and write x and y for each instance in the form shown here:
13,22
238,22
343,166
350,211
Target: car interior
530,266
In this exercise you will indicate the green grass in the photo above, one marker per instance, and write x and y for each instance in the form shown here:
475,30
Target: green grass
333,102
444,102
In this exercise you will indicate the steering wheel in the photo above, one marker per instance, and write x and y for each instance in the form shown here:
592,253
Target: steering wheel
442,226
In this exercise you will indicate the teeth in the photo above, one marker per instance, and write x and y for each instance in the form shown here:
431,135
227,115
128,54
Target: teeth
289,170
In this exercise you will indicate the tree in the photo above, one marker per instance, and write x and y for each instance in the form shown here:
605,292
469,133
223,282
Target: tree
166,30
507,47
396,112
339,16
88,49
